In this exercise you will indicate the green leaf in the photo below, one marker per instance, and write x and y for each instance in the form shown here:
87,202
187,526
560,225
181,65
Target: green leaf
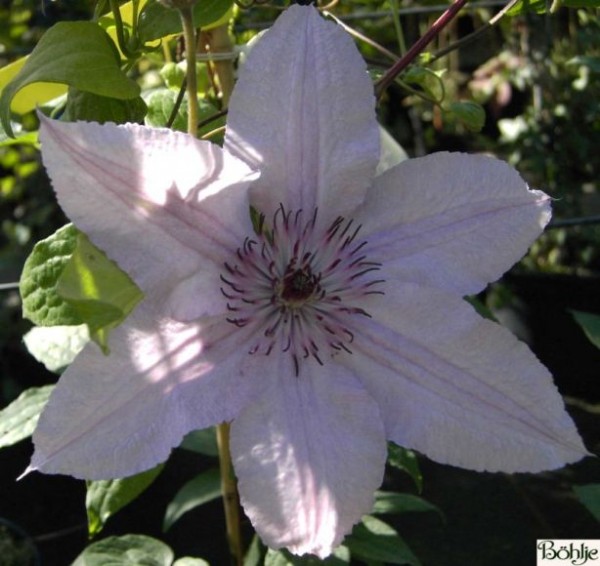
469,113
524,6
202,441
425,80
405,460
104,498
373,539
590,324
68,281
340,557
161,103
196,492
128,550
342,554
391,502
391,152
255,551
79,54
41,303
277,558
591,62
32,95
156,21
189,561
91,107
589,495
481,308
18,420
56,346
98,291
29,138
173,75
540,6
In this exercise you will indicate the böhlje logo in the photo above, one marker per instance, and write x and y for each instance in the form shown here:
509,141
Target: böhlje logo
574,552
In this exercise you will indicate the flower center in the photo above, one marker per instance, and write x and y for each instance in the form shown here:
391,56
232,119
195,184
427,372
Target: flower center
300,286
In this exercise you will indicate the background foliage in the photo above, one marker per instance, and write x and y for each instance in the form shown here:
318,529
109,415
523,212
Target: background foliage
524,88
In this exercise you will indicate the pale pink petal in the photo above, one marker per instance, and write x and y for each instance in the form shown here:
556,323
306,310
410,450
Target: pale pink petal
303,112
196,296
308,456
459,388
159,203
451,220
113,416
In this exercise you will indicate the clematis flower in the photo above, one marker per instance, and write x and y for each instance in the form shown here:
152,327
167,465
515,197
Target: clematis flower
332,323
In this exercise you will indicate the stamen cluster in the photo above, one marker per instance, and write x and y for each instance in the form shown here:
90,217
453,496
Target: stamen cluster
299,286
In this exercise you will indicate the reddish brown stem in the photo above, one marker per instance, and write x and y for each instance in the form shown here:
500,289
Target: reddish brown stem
412,53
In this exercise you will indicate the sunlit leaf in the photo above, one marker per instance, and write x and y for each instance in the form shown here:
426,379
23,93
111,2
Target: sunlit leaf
173,75
160,106
157,21
56,346
391,152
29,138
32,95
104,498
196,492
98,291
254,553
41,303
78,54
339,557
18,420
189,561
405,460
128,550
373,539
161,103
68,281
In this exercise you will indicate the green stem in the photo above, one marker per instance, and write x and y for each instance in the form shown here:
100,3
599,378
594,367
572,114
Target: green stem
230,495
398,26
135,8
134,17
212,118
99,10
228,483
121,38
189,36
177,104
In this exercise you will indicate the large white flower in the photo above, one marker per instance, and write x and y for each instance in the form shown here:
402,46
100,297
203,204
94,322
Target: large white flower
337,325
